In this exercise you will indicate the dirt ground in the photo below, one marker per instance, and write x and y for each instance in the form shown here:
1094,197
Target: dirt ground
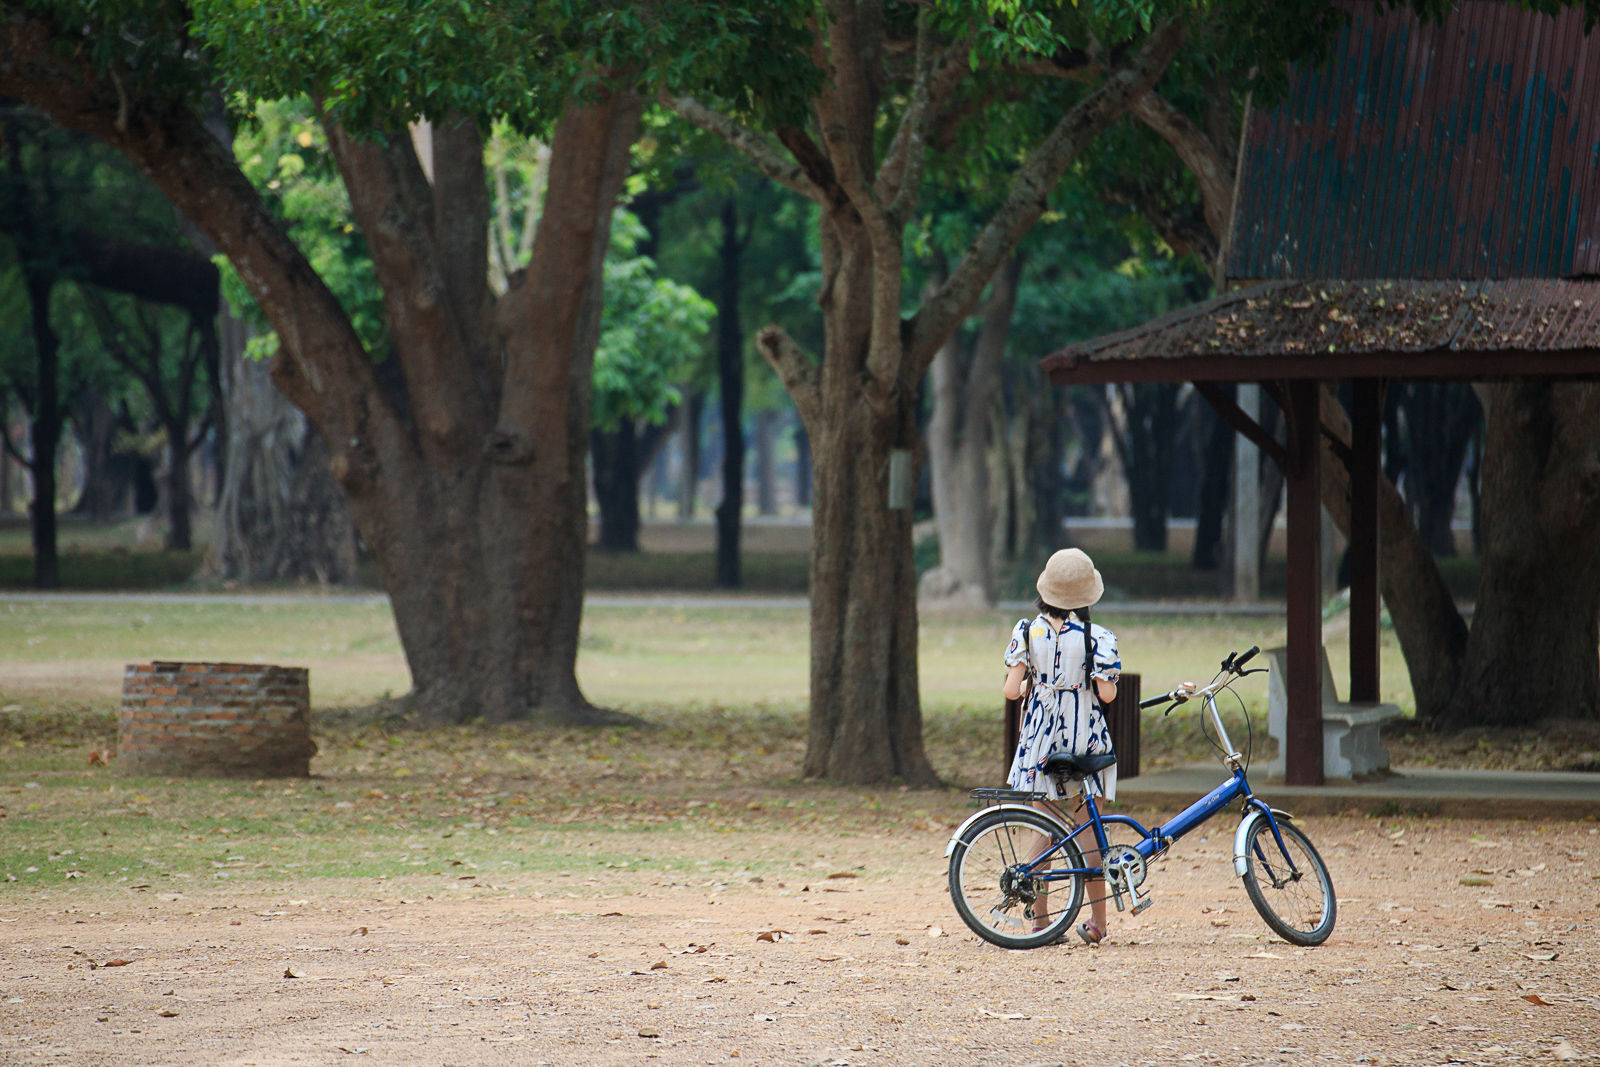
1457,942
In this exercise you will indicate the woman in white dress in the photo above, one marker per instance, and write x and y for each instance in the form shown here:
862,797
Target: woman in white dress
1050,662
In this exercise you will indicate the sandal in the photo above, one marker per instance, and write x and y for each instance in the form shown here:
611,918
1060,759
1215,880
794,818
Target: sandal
1091,934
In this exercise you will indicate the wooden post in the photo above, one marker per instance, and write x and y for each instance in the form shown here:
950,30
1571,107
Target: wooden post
1366,421
1303,742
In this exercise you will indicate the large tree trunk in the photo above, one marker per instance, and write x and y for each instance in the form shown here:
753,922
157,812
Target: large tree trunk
280,515
45,421
1531,650
467,481
1145,432
1213,503
1531,653
689,416
730,380
1441,420
615,459
964,388
180,534
96,422
866,713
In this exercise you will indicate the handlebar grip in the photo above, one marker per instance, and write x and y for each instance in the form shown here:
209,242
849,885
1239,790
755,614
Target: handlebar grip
1154,702
1242,660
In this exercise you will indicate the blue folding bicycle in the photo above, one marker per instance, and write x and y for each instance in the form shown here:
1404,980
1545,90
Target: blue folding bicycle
1017,870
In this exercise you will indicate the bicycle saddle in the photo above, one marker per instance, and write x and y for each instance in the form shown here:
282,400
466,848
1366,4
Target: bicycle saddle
1065,763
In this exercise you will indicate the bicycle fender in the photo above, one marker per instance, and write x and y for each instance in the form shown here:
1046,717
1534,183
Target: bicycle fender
975,816
1241,861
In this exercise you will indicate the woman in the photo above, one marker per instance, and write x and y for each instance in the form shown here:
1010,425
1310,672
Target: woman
1052,659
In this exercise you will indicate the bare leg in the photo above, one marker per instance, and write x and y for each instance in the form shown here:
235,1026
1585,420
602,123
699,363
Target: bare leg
1096,889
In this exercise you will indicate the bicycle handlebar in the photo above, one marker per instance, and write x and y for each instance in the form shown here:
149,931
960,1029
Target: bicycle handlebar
1232,665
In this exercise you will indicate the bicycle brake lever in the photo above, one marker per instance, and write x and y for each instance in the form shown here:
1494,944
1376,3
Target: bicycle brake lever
1253,670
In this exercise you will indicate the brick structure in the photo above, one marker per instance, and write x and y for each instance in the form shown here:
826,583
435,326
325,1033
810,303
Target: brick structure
250,720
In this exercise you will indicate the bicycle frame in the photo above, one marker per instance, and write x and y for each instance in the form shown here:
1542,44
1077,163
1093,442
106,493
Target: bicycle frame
1154,842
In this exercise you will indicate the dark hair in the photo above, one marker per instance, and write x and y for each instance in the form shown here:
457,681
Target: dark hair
1061,613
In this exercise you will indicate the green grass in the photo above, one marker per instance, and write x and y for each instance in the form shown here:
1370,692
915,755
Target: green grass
719,695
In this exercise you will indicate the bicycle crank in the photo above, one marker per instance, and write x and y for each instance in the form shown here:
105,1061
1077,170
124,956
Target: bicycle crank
1125,871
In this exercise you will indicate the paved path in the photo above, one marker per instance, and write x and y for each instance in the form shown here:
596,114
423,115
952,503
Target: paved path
627,599
1407,790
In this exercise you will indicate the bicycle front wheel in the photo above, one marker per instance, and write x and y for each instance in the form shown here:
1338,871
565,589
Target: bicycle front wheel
1296,901
999,900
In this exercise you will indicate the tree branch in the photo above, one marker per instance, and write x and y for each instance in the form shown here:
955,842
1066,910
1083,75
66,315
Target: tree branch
755,147
440,344
900,177
1030,191
800,374
1210,164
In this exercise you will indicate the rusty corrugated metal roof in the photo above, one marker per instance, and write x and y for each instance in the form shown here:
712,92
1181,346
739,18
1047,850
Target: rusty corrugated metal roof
1341,329
1464,150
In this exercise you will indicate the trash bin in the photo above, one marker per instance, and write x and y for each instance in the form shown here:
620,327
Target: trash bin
1122,717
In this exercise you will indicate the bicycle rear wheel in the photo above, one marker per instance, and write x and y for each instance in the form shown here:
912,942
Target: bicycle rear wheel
1298,902
998,901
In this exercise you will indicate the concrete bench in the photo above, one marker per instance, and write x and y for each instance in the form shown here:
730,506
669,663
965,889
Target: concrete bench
1352,743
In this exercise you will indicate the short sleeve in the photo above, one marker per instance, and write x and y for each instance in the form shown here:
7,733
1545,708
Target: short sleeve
1017,650
1107,661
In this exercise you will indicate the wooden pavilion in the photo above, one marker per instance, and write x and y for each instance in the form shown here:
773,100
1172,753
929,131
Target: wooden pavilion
1427,206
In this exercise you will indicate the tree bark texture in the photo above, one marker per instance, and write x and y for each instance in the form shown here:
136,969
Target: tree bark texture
44,433
866,714
467,476
689,445
614,456
1531,651
965,380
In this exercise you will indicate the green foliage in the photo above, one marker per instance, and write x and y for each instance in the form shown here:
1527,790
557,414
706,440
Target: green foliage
650,329
376,64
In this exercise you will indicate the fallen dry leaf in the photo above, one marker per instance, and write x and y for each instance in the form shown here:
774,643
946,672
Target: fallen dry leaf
844,874
773,935
1534,998
289,973
1011,1015
167,1013
116,963
659,965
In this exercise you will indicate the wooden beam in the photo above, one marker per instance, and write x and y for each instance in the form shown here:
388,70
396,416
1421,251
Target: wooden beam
1303,686
1235,416
1366,423
1068,368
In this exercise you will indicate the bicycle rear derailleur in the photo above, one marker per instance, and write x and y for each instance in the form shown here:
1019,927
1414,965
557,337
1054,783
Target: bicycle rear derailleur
1125,873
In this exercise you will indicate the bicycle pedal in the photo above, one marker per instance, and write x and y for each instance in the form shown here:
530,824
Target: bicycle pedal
1142,904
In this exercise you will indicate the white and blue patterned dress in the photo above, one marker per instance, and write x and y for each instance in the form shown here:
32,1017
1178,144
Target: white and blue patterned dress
1058,714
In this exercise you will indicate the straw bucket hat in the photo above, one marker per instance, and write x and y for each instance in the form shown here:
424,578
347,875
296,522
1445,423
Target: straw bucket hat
1069,580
